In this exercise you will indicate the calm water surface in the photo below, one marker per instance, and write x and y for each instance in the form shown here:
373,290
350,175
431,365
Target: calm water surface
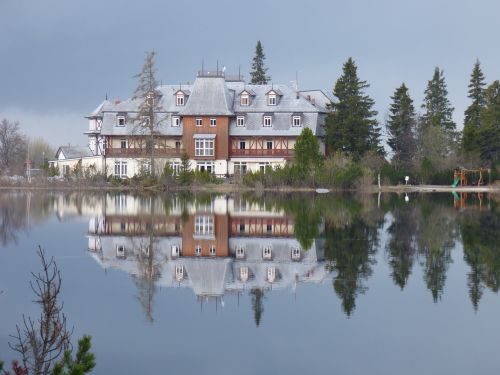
287,284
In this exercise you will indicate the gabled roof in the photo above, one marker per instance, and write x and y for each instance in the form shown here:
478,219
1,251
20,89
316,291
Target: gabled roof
98,111
185,92
247,91
72,152
276,91
210,97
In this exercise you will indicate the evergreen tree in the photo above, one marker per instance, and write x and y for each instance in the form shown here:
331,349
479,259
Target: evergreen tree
438,109
351,126
82,364
489,133
308,157
257,304
472,121
401,128
147,119
258,72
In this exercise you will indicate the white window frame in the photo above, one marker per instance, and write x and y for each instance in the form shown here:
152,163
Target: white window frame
199,121
271,274
206,165
121,168
175,251
197,251
123,143
121,252
179,99
212,251
240,121
295,253
272,99
267,121
213,122
267,252
203,225
176,121
244,273
204,147
296,121
240,168
269,143
119,119
240,252
245,100
179,273
175,166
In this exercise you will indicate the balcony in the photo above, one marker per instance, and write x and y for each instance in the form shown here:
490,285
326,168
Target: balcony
253,153
139,152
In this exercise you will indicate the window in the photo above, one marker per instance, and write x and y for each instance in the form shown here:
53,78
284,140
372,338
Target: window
269,228
242,227
266,252
197,251
245,99
177,144
271,99
66,170
179,100
263,166
205,167
213,122
199,122
175,251
120,251
295,253
175,166
176,121
267,121
179,273
244,273
271,274
146,166
242,145
212,251
240,121
120,120
296,121
121,169
240,252
123,143
240,168
204,147
120,203
269,145
203,225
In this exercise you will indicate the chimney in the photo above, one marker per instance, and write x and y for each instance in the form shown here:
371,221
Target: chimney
117,101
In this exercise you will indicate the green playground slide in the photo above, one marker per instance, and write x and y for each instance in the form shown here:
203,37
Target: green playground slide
455,183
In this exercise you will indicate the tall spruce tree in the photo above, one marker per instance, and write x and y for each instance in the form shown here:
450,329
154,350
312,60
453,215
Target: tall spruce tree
259,72
438,109
401,128
489,132
472,121
148,118
351,126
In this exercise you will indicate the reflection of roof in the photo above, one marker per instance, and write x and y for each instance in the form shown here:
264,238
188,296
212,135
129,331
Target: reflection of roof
208,276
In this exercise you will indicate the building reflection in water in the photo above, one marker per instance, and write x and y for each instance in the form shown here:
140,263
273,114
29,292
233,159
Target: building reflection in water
213,246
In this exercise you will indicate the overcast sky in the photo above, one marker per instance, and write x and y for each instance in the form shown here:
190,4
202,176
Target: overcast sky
60,58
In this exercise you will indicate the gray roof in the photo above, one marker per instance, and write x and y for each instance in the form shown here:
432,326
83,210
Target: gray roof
210,96
214,96
72,152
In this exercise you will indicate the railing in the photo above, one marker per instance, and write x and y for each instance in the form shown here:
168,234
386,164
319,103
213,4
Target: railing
259,153
139,152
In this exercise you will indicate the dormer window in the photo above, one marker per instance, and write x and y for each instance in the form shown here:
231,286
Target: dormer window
271,98
179,99
120,120
245,99
176,121
296,121
267,121
266,252
240,252
240,121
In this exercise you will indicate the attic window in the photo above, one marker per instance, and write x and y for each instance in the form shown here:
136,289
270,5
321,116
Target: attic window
240,121
296,121
179,99
245,99
267,121
271,99
176,121
120,120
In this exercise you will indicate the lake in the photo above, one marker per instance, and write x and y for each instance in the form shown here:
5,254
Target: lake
247,284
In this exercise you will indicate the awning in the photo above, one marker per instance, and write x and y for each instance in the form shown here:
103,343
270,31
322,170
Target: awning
203,136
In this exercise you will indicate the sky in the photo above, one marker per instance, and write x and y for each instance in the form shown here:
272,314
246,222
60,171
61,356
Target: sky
59,59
